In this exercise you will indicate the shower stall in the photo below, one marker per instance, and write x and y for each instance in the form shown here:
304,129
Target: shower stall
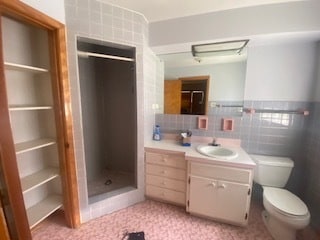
107,75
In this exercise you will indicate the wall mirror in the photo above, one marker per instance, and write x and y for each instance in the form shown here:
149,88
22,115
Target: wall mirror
213,81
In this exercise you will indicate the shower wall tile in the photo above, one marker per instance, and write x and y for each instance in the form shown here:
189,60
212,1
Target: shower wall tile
97,20
151,78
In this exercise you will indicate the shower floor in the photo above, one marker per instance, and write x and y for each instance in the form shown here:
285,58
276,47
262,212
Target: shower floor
118,180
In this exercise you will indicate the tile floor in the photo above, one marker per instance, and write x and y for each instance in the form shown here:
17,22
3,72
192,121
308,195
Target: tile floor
119,180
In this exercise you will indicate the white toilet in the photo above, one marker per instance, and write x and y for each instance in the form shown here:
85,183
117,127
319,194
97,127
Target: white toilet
284,212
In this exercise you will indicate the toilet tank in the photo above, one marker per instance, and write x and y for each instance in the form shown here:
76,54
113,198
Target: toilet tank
271,170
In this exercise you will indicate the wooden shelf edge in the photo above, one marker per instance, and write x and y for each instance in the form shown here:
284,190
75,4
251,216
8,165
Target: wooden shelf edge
23,67
26,107
43,209
33,144
34,180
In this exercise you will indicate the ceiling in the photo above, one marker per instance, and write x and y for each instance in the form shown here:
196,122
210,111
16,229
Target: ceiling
158,10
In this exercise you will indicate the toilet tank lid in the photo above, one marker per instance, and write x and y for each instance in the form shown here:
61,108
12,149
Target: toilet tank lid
272,160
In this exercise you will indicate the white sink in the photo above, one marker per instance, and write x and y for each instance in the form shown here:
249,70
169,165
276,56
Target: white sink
217,152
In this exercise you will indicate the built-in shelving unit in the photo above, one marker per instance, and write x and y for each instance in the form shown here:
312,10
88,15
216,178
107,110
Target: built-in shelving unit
33,145
24,108
22,67
36,127
43,209
32,181
32,117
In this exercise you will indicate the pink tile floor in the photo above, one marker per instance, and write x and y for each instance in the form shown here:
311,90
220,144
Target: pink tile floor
159,221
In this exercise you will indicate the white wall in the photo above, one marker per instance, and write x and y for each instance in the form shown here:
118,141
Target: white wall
291,17
53,8
285,72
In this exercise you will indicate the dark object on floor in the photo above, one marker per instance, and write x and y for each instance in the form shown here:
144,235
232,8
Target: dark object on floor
134,236
108,182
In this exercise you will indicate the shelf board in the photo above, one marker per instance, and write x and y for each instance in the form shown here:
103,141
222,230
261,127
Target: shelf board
43,209
34,144
22,67
34,180
28,107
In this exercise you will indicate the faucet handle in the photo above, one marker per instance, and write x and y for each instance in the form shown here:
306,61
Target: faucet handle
214,142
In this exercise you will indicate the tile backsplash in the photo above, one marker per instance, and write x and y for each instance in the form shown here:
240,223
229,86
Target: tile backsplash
263,133
283,134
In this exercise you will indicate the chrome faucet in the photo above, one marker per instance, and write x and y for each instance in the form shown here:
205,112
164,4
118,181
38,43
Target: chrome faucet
214,143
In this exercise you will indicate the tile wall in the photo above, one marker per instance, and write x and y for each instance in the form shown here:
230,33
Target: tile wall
278,134
293,135
97,20
311,178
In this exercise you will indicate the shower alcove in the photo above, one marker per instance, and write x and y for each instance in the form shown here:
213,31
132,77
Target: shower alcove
107,78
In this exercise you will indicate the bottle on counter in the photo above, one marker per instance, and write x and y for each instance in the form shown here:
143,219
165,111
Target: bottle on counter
156,133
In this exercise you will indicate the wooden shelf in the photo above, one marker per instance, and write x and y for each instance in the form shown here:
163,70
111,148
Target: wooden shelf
34,144
22,67
34,180
28,107
43,209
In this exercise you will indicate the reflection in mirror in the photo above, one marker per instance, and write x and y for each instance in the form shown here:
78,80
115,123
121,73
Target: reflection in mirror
186,95
227,81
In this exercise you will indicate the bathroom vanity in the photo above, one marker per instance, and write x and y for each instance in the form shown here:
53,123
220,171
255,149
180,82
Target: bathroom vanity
217,188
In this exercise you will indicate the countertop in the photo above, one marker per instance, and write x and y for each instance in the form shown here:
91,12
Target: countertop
190,152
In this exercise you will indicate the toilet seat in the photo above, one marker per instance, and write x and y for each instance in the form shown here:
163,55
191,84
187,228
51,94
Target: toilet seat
285,202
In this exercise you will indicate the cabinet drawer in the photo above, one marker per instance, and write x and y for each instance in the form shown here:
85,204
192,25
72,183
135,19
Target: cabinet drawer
168,183
164,171
166,194
220,172
171,160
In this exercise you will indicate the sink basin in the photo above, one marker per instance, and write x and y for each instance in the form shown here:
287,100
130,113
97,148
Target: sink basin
217,152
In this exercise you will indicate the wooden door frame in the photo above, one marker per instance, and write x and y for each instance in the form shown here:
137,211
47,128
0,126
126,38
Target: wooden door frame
198,78
62,100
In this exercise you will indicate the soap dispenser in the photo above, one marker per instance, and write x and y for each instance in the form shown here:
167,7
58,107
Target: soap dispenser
156,133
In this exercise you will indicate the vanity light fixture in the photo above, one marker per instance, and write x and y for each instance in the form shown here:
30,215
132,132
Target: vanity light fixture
219,48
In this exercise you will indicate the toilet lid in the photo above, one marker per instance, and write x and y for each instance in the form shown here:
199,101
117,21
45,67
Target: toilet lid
285,201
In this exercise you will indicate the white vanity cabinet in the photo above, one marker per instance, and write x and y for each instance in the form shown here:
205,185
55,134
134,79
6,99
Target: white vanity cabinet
219,192
166,176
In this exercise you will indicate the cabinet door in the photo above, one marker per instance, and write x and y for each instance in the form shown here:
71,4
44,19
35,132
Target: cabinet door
203,196
232,201
223,200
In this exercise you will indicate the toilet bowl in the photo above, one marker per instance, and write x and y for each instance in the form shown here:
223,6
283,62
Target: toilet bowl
284,212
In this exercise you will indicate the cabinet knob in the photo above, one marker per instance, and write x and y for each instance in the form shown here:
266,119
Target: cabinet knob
213,184
222,186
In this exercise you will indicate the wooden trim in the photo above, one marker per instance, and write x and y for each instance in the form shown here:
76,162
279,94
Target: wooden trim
4,233
196,78
25,13
65,127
